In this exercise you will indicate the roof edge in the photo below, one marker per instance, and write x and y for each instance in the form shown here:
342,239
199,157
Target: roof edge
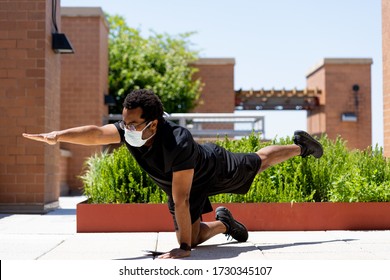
325,61
215,61
84,12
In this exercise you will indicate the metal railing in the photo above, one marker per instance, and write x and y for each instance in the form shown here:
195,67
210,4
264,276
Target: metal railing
211,125
219,124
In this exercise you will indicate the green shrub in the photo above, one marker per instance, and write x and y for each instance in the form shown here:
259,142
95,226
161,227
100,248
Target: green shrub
117,178
340,175
366,179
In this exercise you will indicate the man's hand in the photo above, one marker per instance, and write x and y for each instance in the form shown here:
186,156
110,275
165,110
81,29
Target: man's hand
175,254
49,138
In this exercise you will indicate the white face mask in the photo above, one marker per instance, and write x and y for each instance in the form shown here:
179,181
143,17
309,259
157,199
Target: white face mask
134,138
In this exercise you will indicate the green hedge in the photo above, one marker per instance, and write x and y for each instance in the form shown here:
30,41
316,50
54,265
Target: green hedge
117,178
339,176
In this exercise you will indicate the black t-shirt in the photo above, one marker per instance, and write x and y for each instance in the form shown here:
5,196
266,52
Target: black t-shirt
174,149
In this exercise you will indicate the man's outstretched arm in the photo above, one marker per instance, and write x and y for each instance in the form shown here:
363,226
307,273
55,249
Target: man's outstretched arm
82,135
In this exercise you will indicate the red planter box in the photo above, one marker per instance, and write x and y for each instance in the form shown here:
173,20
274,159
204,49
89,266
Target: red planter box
256,216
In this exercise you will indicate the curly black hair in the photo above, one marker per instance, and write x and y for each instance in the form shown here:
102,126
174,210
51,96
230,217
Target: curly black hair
148,101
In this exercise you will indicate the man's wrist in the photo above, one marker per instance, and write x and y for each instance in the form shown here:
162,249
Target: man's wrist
185,247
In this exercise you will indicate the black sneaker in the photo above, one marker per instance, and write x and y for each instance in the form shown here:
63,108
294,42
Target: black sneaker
309,146
235,229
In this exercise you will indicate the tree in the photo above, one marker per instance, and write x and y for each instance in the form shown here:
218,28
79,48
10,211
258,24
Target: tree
160,62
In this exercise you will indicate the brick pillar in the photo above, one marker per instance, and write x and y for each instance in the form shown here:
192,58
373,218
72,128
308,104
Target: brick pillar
84,81
386,74
217,74
336,78
29,102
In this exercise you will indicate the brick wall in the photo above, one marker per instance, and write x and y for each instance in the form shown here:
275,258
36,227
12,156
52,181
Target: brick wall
316,119
217,74
29,94
336,77
64,163
84,81
386,74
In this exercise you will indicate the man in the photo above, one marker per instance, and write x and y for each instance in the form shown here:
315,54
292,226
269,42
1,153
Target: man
188,172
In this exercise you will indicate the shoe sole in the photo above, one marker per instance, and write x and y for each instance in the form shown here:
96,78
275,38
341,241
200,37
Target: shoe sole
307,135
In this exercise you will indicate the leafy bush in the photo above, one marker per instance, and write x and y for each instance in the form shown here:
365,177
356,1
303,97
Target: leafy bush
117,178
339,176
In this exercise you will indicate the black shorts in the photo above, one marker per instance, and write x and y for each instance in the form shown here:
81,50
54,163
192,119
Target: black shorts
235,173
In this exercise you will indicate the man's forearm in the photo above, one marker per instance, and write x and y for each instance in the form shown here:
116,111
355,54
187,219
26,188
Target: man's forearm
181,188
183,219
84,135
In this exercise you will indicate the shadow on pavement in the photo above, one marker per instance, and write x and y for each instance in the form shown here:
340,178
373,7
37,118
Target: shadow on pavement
221,251
59,212
4,215
280,246
136,258
209,252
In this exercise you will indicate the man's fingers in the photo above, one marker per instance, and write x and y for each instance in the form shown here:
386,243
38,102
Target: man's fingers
41,137
175,254
165,256
33,136
28,135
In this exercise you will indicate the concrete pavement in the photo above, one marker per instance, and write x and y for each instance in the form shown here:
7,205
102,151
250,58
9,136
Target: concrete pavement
53,237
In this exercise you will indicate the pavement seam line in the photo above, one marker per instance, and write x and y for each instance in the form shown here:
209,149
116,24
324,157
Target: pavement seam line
45,253
156,246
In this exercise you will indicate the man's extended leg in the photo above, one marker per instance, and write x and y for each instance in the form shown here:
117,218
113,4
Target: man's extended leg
305,145
272,155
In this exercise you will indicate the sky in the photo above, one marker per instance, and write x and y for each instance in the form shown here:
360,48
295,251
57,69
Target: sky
274,43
